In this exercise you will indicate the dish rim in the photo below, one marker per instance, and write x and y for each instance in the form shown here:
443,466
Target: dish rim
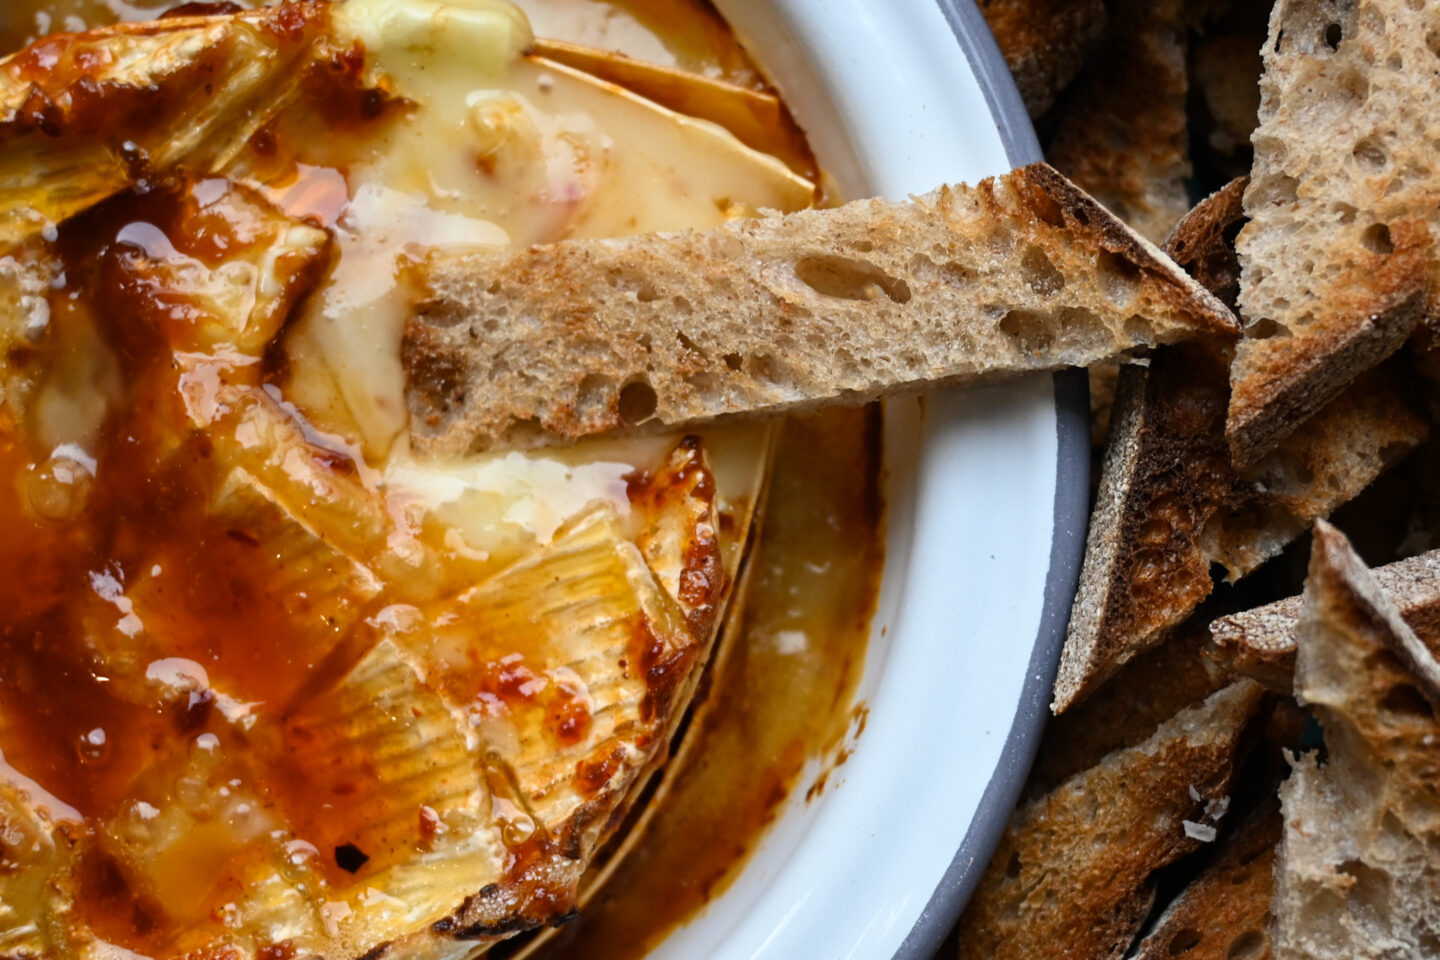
1070,520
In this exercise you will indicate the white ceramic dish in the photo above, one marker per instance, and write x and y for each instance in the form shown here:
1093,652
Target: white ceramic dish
987,501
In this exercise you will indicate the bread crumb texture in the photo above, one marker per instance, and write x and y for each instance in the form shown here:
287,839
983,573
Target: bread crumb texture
1358,875
1019,273
1337,261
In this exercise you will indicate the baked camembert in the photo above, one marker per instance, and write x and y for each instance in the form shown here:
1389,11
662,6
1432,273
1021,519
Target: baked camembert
271,686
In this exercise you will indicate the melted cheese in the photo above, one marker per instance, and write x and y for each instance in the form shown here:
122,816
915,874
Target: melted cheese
497,149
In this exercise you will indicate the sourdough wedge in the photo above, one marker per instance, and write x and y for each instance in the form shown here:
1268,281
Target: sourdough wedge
1126,710
1203,243
1045,43
1338,259
1224,914
1170,503
1070,878
1019,273
1123,134
1260,643
1358,872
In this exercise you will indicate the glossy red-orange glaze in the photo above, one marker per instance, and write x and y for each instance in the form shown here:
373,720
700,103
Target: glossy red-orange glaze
818,567
67,721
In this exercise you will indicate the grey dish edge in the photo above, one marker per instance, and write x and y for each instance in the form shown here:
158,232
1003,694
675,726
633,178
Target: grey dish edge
1067,547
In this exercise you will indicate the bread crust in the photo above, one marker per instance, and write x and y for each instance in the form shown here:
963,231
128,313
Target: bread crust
1260,643
1071,877
1122,132
1045,43
1143,694
1020,273
1224,913
1203,242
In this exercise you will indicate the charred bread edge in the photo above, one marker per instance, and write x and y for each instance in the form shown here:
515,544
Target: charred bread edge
1067,546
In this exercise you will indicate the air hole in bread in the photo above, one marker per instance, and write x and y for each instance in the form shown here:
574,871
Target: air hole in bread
1370,155
1283,189
1040,273
523,433
1119,278
846,278
1031,331
1333,36
1250,945
681,305
1344,213
688,345
1047,209
769,369
1264,329
637,402
1012,869
863,246
1183,942
594,397
1136,329
1404,700
710,386
1355,85
1368,900
1432,40
956,272
1376,239
733,361
1281,472
646,293
1155,532
729,247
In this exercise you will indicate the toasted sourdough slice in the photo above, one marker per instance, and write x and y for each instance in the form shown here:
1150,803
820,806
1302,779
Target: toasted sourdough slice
1203,242
1224,914
1225,88
1143,694
1260,643
1070,878
1019,273
1122,133
1170,504
1045,43
1224,71
1338,258
1358,871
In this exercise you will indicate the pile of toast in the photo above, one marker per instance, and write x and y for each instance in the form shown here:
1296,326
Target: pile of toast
1245,757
